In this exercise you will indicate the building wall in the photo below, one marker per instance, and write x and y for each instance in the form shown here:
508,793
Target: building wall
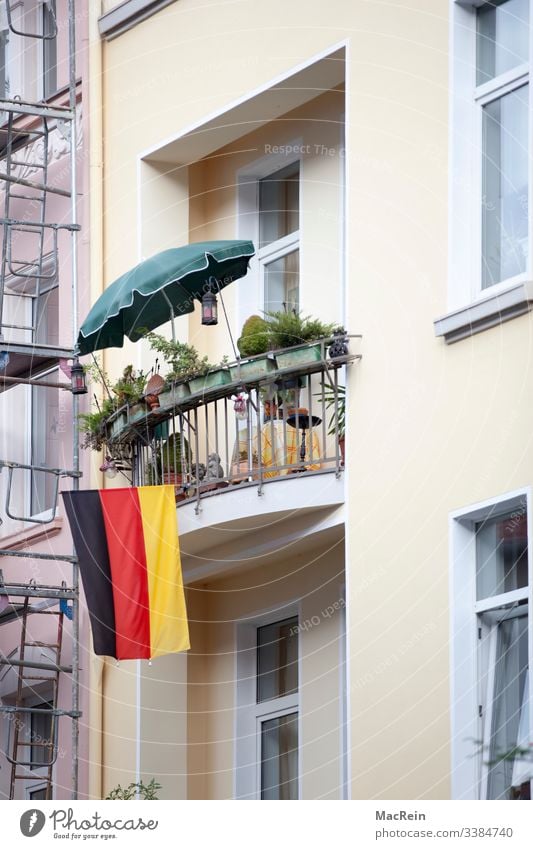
430,427
15,423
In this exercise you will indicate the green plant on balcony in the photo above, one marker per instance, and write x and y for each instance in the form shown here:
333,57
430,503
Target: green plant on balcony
171,461
182,359
254,338
336,424
288,329
128,389
136,790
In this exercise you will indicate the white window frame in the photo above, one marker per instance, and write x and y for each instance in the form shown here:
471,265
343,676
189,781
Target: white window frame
26,57
251,298
45,514
34,788
250,714
468,773
472,309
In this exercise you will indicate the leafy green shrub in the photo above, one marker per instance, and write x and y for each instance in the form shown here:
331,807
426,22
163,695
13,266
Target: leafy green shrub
288,329
254,338
136,790
183,359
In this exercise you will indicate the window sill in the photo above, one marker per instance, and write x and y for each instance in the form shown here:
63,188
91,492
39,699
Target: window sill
489,312
128,14
31,536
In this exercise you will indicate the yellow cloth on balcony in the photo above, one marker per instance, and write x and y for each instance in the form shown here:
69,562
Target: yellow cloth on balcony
273,451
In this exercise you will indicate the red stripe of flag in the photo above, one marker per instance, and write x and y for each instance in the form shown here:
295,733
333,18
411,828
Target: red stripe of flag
127,556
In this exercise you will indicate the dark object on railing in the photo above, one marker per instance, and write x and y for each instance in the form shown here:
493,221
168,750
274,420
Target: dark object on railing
339,346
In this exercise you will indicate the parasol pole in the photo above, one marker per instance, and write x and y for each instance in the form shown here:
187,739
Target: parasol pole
172,314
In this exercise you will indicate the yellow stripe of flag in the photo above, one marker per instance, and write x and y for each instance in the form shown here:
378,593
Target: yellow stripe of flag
169,630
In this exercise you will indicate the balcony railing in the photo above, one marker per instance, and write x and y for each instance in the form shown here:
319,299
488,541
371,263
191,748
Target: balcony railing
249,423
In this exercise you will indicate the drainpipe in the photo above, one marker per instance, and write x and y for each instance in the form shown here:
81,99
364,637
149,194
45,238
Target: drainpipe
95,148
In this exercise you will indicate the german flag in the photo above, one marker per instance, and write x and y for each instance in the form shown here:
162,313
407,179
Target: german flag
128,551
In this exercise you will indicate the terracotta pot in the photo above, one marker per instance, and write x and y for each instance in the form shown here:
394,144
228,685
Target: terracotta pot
152,401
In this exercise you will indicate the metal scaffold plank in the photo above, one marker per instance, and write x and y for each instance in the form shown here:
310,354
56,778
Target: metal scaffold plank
22,107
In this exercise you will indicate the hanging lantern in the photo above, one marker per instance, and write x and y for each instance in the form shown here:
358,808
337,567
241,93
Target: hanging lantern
77,378
209,309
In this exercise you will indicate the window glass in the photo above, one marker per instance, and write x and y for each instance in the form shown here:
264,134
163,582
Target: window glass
279,204
49,49
509,701
45,444
501,554
279,757
282,278
38,794
41,733
277,660
505,187
46,316
502,37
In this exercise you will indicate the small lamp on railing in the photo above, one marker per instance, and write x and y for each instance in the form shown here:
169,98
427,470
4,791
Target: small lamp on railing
209,309
77,378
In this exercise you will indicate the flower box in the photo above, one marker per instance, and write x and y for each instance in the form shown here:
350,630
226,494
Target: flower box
298,356
174,394
210,380
254,369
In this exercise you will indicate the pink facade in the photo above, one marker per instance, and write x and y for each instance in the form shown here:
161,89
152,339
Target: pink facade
37,423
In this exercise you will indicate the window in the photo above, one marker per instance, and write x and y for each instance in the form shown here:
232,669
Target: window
41,735
490,155
45,414
49,30
28,65
491,548
268,711
38,793
278,254
502,96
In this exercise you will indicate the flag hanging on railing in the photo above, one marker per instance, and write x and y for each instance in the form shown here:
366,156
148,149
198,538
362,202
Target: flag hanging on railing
128,551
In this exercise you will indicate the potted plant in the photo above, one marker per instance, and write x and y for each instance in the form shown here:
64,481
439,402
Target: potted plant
292,330
252,343
92,425
173,461
337,424
129,390
183,361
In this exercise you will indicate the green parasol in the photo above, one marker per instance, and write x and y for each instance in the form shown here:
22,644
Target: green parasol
160,288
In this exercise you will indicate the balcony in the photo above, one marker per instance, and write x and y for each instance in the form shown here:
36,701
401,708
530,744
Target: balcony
277,417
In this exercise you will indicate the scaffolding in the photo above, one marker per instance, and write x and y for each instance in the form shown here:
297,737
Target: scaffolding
29,260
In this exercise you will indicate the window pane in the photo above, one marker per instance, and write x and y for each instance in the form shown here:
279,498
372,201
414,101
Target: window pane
49,49
282,281
509,684
501,554
277,660
279,758
46,316
45,439
41,732
505,187
279,204
502,37
38,794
